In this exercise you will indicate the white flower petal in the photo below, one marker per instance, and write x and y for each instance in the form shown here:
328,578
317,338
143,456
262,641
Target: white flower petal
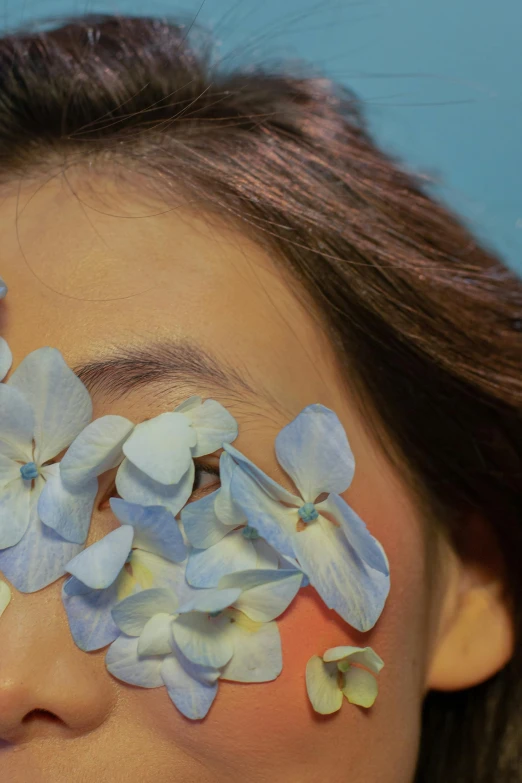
363,655
213,424
97,448
61,404
5,596
123,662
6,358
257,653
204,640
150,570
136,487
226,510
266,594
133,613
188,690
161,447
16,499
16,425
156,637
68,513
99,564
360,687
322,686
9,471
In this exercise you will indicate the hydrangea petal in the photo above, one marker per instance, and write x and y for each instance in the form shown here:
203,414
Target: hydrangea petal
5,596
89,615
355,530
123,662
357,593
213,424
322,686
96,449
155,528
314,451
9,470
208,601
16,501
363,655
205,567
40,557
61,404
204,640
201,524
156,638
192,695
226,510
271,487
266,594
273,521
99,564
150,570
257,653
132,614
6,357
161,447
360,687
68,513
136,487
16,424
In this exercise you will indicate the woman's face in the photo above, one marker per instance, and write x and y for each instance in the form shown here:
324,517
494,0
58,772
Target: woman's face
90,275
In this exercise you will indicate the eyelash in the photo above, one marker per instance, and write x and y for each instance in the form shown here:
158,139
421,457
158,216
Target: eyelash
198,489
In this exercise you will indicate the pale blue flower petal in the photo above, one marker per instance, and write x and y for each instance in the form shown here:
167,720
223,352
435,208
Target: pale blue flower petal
156,637
123,662
99,564
257,654
205,567
61,404
201,524
156,529
188,690
68,513
363,655
5,596
355,530
204,640
207,601
266,594
273,521
132,614
151,570
16,424
271,487
314,451
161,447
6,357
214,426
97,448
16,509
322,686
40,557
10,471
89,614
136,487
344,582
226,510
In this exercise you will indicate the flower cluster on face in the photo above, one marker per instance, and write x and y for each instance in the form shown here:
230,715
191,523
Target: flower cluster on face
184,593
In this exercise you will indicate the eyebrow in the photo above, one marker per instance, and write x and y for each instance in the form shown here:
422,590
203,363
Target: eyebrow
127,368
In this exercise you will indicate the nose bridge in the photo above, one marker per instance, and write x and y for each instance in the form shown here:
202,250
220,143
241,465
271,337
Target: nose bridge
48,686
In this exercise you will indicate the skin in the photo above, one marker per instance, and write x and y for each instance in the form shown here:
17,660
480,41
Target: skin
82,280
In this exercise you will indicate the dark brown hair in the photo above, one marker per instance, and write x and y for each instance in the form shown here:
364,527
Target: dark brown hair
429,321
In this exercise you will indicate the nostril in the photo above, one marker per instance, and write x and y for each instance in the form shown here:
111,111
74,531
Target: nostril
41,714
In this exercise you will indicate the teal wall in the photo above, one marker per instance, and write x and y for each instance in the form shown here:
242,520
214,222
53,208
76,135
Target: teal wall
441,80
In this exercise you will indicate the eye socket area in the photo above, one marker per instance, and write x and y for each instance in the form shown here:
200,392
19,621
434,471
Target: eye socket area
206,480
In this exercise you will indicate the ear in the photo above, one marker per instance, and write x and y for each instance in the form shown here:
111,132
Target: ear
475,635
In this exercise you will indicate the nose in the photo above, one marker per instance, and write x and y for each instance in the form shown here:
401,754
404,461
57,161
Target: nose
48,686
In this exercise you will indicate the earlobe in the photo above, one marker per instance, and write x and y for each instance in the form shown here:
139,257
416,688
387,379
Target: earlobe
475,641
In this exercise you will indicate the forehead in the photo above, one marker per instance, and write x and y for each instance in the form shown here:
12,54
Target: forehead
92,264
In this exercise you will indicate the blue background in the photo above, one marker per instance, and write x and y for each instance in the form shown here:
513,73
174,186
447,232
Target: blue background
440,79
